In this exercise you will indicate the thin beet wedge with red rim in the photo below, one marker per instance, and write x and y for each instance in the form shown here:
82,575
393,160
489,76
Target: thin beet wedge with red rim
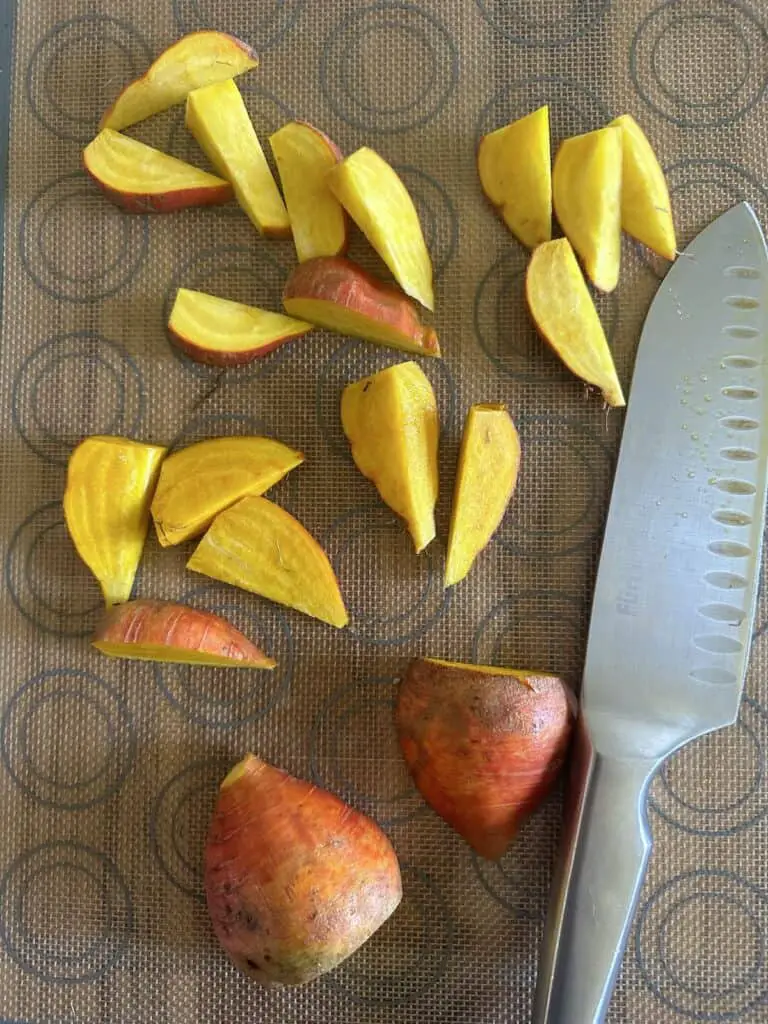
335,293
220,332
163,631
197,59
141,179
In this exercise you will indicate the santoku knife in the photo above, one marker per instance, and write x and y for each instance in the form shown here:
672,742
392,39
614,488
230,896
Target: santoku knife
675,597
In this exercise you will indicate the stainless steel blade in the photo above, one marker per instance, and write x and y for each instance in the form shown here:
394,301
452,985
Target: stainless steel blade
675,597
676,590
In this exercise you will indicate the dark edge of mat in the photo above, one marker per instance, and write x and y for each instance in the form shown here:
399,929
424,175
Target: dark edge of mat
7,25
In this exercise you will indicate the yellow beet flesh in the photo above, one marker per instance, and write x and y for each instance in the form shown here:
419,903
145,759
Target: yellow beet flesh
514,166
391,422
565,314
224,333
304,155
110,481
485,482
194,60
144,180
217,117
381,206
260,547
198,482
646,210
586,186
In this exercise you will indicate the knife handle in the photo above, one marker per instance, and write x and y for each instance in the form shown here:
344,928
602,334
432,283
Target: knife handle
603,857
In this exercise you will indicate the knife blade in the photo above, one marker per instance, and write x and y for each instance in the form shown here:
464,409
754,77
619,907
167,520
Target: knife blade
675,596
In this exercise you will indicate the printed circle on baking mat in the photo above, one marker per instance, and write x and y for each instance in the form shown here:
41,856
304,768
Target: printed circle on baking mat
241,273
260,25
88,933
727,77
700,942
47,582
543,22
372,543
560,502
76,70
354,752
361,69
408,955
227,698
76,246
520,880
356,359
536,629
72,386
572,108
179,821
101,740
701,190
716,785
504,328
268,113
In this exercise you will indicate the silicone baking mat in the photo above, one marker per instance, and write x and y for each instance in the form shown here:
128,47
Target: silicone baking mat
109,770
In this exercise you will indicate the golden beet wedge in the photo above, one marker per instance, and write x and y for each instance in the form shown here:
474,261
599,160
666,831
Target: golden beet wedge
260,547
586,186
110,481
198,482
484,745
194,60
304,155
646,210
514,165
485,482
220,332
295,879
141,179
563,310
163,631
217,117
381,206
333,292
391,422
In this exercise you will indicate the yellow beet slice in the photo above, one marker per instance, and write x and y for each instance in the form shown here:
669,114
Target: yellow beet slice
304,155
141,179
194,60
202,480
381,206
224,333
514,165
260,547
565,314
217,117
586,185
162,631
110,481
391,422
485,482
646,210
335,293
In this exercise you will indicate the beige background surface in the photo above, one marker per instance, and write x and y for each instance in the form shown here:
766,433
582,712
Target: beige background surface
109,770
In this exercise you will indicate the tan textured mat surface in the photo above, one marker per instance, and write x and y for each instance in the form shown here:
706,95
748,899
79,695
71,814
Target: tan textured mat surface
108,771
